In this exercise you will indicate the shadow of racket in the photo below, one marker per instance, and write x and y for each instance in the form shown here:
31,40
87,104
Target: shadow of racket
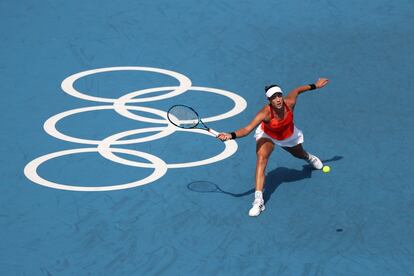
201,186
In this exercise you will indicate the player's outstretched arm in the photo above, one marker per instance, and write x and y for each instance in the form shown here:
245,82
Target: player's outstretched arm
260,116
292,96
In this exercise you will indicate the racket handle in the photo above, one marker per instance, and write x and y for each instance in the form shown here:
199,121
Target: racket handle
212,131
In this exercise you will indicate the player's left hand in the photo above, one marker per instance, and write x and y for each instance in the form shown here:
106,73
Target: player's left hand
321,82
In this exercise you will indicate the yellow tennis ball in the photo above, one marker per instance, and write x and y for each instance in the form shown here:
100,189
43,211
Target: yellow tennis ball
326,169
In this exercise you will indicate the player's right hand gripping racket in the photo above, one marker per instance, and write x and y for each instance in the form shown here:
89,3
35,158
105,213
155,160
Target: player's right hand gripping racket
185,117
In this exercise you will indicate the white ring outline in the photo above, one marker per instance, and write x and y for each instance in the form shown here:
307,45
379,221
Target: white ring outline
30,171
50,125
105,150
67,84
185,85
240,104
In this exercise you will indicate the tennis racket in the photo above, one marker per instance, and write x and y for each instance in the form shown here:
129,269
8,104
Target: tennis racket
185,117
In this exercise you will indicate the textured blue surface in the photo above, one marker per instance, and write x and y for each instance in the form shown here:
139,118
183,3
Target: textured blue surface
361,124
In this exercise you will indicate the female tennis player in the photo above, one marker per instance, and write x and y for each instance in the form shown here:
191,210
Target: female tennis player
274,126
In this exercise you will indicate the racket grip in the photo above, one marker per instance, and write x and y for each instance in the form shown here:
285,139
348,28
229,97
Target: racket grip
212,131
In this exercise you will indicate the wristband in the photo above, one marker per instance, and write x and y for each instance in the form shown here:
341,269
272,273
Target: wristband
233,135
312,86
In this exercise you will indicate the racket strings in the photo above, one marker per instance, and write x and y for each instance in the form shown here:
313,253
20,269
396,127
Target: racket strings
183,116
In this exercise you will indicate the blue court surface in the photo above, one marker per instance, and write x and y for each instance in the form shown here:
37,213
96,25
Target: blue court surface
94,181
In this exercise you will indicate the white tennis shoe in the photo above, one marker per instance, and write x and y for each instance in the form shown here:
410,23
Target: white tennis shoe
258,207
315,162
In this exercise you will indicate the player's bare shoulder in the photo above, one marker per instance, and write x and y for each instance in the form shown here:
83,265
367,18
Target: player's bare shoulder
260,117
265,113
290,102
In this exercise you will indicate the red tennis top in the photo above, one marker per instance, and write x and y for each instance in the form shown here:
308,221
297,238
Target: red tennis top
279,129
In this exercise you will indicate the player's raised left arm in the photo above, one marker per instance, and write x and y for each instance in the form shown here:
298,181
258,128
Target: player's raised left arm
292,96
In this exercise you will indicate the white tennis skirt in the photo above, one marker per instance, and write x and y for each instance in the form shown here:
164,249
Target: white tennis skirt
295,139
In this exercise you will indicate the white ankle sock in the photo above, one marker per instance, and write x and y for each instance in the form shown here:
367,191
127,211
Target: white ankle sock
258,194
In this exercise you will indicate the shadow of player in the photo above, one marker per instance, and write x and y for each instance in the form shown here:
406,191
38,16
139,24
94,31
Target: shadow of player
285,175
273,180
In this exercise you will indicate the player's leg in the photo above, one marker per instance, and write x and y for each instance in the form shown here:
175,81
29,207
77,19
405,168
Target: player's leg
264,148
298,152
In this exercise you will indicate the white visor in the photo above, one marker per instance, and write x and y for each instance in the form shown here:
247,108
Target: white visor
271,91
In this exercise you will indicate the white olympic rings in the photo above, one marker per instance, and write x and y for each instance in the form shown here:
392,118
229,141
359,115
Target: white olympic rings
104,146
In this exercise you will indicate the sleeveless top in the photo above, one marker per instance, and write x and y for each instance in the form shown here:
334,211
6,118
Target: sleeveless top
279,129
